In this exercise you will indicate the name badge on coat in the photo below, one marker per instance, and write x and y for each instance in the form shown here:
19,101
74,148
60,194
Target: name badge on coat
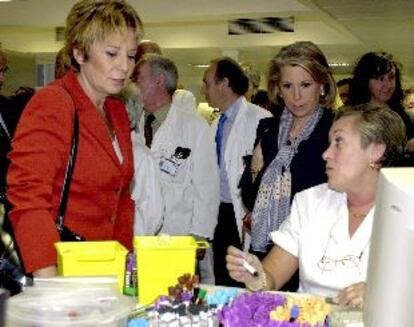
171,165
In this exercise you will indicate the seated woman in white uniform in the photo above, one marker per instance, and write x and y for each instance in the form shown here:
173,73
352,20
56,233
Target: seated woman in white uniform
327,235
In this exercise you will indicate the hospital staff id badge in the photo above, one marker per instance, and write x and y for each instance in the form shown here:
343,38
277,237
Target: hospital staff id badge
170,165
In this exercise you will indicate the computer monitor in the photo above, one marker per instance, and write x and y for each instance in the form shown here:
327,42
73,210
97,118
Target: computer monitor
389,300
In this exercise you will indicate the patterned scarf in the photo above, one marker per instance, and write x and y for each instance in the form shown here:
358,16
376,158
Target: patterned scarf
272,205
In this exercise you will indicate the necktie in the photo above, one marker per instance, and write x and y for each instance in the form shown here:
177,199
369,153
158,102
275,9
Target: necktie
219,135
148,130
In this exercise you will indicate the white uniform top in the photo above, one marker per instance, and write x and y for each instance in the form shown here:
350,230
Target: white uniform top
317,227
190,185
146,190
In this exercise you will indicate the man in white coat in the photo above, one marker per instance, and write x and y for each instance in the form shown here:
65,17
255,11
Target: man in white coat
224,86
183,147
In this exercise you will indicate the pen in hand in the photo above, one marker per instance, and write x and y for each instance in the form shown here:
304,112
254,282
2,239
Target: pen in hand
250,268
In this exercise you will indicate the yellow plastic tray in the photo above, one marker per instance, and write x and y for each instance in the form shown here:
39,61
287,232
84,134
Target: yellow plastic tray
92,259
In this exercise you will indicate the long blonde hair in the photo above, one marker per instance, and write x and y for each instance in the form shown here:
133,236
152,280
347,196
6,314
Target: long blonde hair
309,57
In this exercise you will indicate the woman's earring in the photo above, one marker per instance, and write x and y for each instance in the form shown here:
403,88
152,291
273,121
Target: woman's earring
322,91
372,165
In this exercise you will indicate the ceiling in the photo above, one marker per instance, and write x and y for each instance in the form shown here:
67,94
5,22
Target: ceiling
196,31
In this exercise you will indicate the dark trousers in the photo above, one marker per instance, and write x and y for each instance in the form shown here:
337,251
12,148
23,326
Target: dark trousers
225,234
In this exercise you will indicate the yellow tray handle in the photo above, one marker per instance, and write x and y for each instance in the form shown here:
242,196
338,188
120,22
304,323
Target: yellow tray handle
95,257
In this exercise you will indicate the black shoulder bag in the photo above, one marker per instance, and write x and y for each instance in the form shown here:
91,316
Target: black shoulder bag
12,275
66,235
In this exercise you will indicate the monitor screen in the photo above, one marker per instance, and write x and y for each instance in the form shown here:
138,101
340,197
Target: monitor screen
390,281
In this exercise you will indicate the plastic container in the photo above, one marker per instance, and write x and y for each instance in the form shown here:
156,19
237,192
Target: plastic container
58,307
160,261
92,259
77,282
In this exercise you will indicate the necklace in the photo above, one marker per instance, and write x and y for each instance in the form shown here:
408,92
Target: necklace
296,130
107,122
292,140
360,211
357,215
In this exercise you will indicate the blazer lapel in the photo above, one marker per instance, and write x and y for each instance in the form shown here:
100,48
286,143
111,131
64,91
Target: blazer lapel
234,144
97,128
117,115
90,120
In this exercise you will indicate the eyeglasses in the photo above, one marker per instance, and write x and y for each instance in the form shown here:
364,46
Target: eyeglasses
348,261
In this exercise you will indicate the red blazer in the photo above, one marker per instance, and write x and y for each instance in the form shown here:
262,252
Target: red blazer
99,206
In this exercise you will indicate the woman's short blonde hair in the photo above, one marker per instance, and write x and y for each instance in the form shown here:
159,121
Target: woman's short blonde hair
62,63
380,125
92,20
309,57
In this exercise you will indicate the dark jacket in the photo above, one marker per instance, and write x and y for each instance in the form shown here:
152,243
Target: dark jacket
10,111
307,166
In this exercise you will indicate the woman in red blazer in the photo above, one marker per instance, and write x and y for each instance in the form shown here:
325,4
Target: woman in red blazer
102,50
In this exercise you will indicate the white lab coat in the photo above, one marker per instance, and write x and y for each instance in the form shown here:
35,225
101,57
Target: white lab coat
146,190
317,227
239,144
185,100
191,196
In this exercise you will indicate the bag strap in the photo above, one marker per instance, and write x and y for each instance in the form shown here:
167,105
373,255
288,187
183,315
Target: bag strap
69,170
